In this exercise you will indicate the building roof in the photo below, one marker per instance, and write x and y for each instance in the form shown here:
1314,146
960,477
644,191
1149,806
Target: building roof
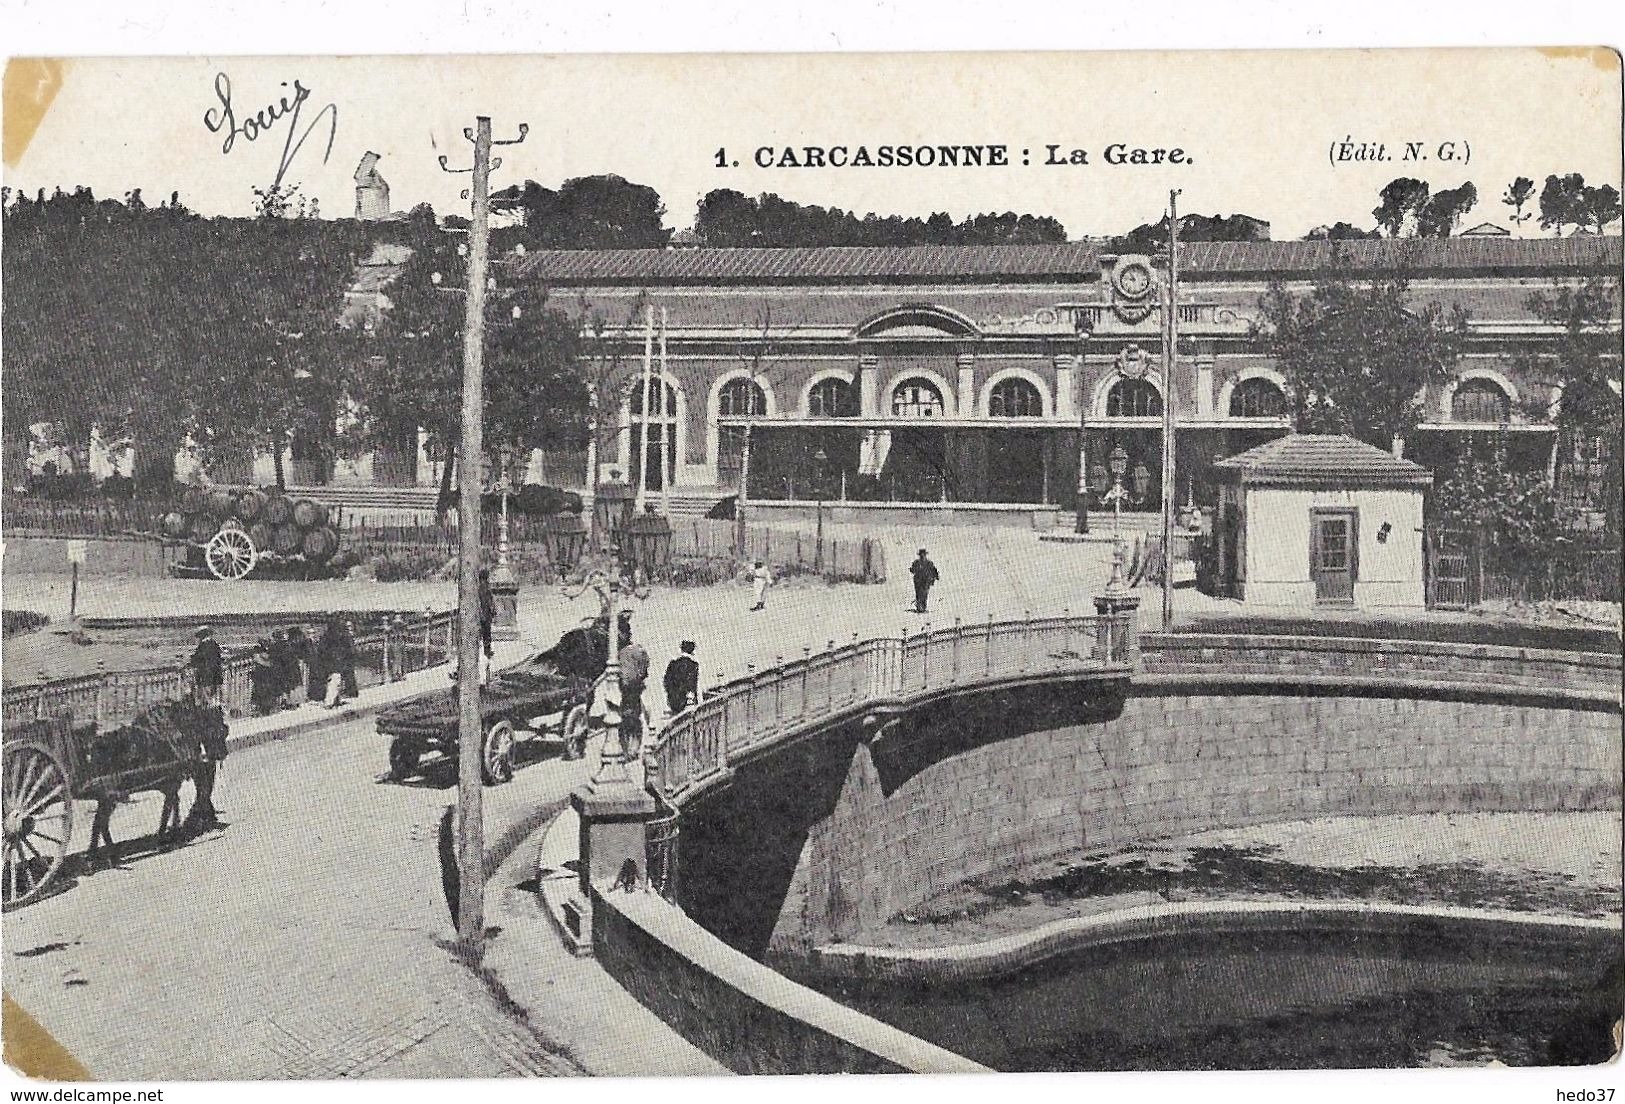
1486,230
1313,459
1064,261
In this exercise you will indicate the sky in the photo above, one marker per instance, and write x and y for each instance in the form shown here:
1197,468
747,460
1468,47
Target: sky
1259,130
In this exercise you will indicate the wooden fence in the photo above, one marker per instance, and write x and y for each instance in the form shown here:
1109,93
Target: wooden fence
846,558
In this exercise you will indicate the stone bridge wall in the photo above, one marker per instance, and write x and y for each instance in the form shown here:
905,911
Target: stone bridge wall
845,829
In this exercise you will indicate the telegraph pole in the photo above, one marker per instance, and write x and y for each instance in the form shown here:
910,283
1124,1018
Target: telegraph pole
1169,366
470,732
667,448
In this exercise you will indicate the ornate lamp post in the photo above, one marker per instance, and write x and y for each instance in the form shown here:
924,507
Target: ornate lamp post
1117,463
613,806
820,469
504,586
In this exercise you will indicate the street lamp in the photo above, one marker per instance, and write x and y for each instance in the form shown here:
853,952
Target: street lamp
1117,463
820,471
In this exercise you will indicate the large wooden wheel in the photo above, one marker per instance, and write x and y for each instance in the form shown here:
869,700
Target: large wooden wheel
230,554
575,732
496,754
38,815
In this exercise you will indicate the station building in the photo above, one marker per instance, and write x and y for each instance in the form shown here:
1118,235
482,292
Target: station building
976,380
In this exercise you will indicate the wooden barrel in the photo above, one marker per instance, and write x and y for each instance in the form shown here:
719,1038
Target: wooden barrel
308,514
222,503
249,505
277,510
201,526
320,544
174,524
285,539
261,534
193,498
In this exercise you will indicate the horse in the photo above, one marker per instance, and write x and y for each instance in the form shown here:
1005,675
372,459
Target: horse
156,751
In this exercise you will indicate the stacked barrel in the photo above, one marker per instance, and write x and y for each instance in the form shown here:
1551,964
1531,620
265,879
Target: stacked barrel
274,522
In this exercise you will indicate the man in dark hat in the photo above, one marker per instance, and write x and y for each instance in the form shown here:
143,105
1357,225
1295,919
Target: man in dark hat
207,666
682,680
925,575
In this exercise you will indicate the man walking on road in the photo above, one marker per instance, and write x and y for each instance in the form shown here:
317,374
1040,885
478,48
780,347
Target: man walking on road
682,680
925,574
207,666
634,668
760,577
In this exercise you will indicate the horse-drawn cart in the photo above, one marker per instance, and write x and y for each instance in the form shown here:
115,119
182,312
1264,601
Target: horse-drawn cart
50,762
547,695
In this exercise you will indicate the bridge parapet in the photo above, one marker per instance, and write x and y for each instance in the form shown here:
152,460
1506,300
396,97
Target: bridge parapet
740,718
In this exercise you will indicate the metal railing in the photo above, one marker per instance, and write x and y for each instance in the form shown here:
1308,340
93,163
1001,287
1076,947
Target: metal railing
765,706
113,697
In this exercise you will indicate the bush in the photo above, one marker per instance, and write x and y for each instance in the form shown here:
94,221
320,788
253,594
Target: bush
406,565
17,622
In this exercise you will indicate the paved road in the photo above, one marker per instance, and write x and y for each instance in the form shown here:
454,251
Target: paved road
309,938
243,954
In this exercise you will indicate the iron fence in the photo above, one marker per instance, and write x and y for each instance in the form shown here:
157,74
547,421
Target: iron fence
387,654
1467,568
104,518
764,706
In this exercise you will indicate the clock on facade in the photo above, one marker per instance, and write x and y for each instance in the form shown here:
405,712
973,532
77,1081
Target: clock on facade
1132,275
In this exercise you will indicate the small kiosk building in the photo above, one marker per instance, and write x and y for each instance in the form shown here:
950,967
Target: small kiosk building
1312,520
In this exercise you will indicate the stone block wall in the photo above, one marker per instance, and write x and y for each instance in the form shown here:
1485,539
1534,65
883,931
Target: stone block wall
1174,761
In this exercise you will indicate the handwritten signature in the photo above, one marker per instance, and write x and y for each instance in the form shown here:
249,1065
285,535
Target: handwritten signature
224,118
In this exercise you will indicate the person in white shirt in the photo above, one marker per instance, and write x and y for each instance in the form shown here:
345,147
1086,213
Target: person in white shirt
760,578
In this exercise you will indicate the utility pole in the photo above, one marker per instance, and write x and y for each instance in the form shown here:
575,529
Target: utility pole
666,447
470,732
1170,362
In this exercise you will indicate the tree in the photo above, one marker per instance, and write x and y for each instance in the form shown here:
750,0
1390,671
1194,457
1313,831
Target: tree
1562,202
1340,231
1402,202
532,391
729,218
1151,236
1517,194
1584,363
603,360
1442,213
1356,355
1600,206
587,212
726,218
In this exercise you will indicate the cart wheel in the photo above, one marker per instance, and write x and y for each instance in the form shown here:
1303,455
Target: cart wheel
496,754
403,759
38,813
575,732
230,554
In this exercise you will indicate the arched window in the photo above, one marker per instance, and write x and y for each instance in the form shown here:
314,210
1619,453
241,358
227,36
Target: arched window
1132,398
916,398
1480,400
831,398
1015,398
635,402
1257,398
741,397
